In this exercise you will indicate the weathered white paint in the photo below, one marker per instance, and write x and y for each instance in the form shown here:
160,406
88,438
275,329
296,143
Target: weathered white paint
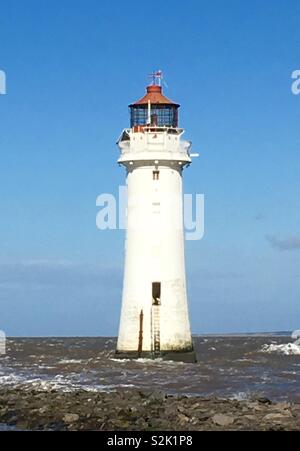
154,249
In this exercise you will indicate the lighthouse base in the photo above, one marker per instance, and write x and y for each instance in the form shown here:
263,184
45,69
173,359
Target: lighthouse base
176,356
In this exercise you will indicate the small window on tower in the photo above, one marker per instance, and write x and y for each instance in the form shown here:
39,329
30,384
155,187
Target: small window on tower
156,288
155,175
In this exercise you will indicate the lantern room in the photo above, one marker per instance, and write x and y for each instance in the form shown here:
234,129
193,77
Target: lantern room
154,109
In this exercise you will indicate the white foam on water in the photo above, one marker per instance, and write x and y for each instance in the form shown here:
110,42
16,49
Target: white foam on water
120,360
68,361
241,396
296,334
141,360
46,367
285,349
10,379
149,360
58,382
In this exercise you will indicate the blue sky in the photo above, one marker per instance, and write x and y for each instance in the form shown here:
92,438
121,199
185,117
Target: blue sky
72,68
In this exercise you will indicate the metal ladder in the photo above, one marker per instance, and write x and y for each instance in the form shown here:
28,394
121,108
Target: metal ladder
156,330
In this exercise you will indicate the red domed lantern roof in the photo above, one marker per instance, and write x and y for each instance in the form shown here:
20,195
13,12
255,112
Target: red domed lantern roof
156,97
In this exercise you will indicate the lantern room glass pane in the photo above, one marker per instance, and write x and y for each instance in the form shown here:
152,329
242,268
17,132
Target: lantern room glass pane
161,115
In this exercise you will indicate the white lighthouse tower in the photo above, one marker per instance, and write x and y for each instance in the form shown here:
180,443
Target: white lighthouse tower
154,317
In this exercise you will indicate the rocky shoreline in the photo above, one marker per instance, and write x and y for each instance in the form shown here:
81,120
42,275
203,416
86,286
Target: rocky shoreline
124,410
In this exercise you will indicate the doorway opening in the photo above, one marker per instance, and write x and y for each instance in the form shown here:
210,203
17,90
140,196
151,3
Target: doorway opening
155,175
156,293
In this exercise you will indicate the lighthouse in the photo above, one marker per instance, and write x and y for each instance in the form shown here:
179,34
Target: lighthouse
154,319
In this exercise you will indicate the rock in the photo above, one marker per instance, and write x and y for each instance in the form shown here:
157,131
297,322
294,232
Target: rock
263,400
257,407
282,406
141,424
124,410
276,416
195,405
181,409
121,424
154,424
157,396
183,418
12,420
250,417
22,424
223,420
203,416
296,411
3,411
70,418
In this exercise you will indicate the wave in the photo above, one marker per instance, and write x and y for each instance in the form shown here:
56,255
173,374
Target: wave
70,361
58,382
285,349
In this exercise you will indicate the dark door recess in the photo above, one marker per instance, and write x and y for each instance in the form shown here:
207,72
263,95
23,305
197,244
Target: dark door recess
156,293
